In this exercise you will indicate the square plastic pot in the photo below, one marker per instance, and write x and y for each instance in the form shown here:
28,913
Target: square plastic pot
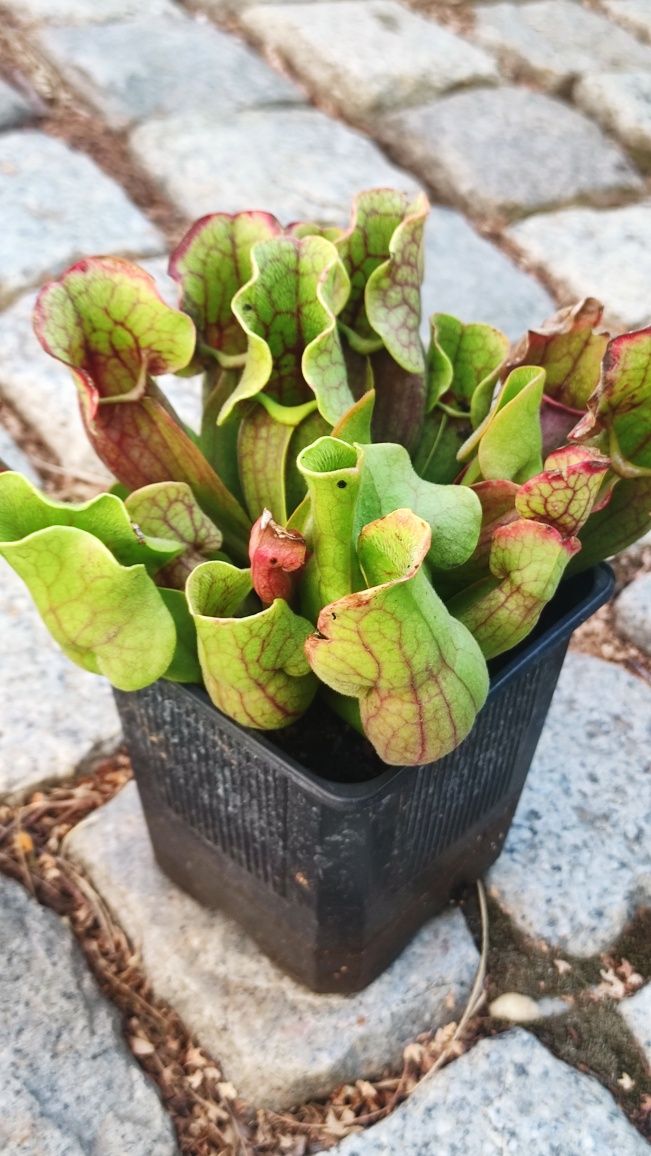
332,878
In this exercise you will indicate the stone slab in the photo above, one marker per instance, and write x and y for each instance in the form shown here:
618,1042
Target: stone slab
68,1085
296,163
55,716
604,254
633,612
278,1042
469,277
57,207
634,14
508,1095
367,57
577,860
636,1011
509,152
14,109
621,102
14,458
555,41
86,11
135,69
223,8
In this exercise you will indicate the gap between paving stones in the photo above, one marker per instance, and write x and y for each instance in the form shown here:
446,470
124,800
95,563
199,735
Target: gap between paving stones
204,1108
591,1036
146,205
485,227
80,131
67,116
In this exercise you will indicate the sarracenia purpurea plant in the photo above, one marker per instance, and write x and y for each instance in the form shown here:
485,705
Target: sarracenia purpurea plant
360,517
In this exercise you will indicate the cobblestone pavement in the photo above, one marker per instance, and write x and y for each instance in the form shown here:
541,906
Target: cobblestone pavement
529,125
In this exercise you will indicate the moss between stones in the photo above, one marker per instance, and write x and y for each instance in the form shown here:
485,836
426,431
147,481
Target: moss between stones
634,944
595,1039
517,963
591,1036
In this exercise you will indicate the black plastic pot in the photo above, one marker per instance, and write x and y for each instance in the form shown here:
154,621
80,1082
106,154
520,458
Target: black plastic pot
332,878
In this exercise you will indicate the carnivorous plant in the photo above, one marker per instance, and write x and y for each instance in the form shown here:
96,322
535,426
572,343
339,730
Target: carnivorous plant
361,516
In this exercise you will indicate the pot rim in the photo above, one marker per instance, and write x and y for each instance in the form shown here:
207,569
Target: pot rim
602,581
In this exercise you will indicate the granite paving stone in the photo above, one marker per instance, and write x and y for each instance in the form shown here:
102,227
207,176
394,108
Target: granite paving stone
14,458
635,14
509,152
366,57
68,1085
55,716
86,11
569,873
137,69
636,1011
604,254
621,102
223,9
58,206
508,1095
555,41
297,163
278,1042
14,109
633,612
469,277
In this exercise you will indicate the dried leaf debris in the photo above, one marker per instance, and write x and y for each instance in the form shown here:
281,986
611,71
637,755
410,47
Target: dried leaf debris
209,1118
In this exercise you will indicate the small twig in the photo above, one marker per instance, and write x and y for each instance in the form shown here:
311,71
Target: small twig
477,994
475,999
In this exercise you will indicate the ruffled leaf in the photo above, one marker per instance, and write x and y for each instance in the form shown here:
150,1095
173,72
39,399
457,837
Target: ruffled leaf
383,255
105,319
621,405
212,262
254,667
28,521
527,561
508,443
565,493
569,347
389,482
289,313
25,510
465,360
418,674
170,510
107,618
